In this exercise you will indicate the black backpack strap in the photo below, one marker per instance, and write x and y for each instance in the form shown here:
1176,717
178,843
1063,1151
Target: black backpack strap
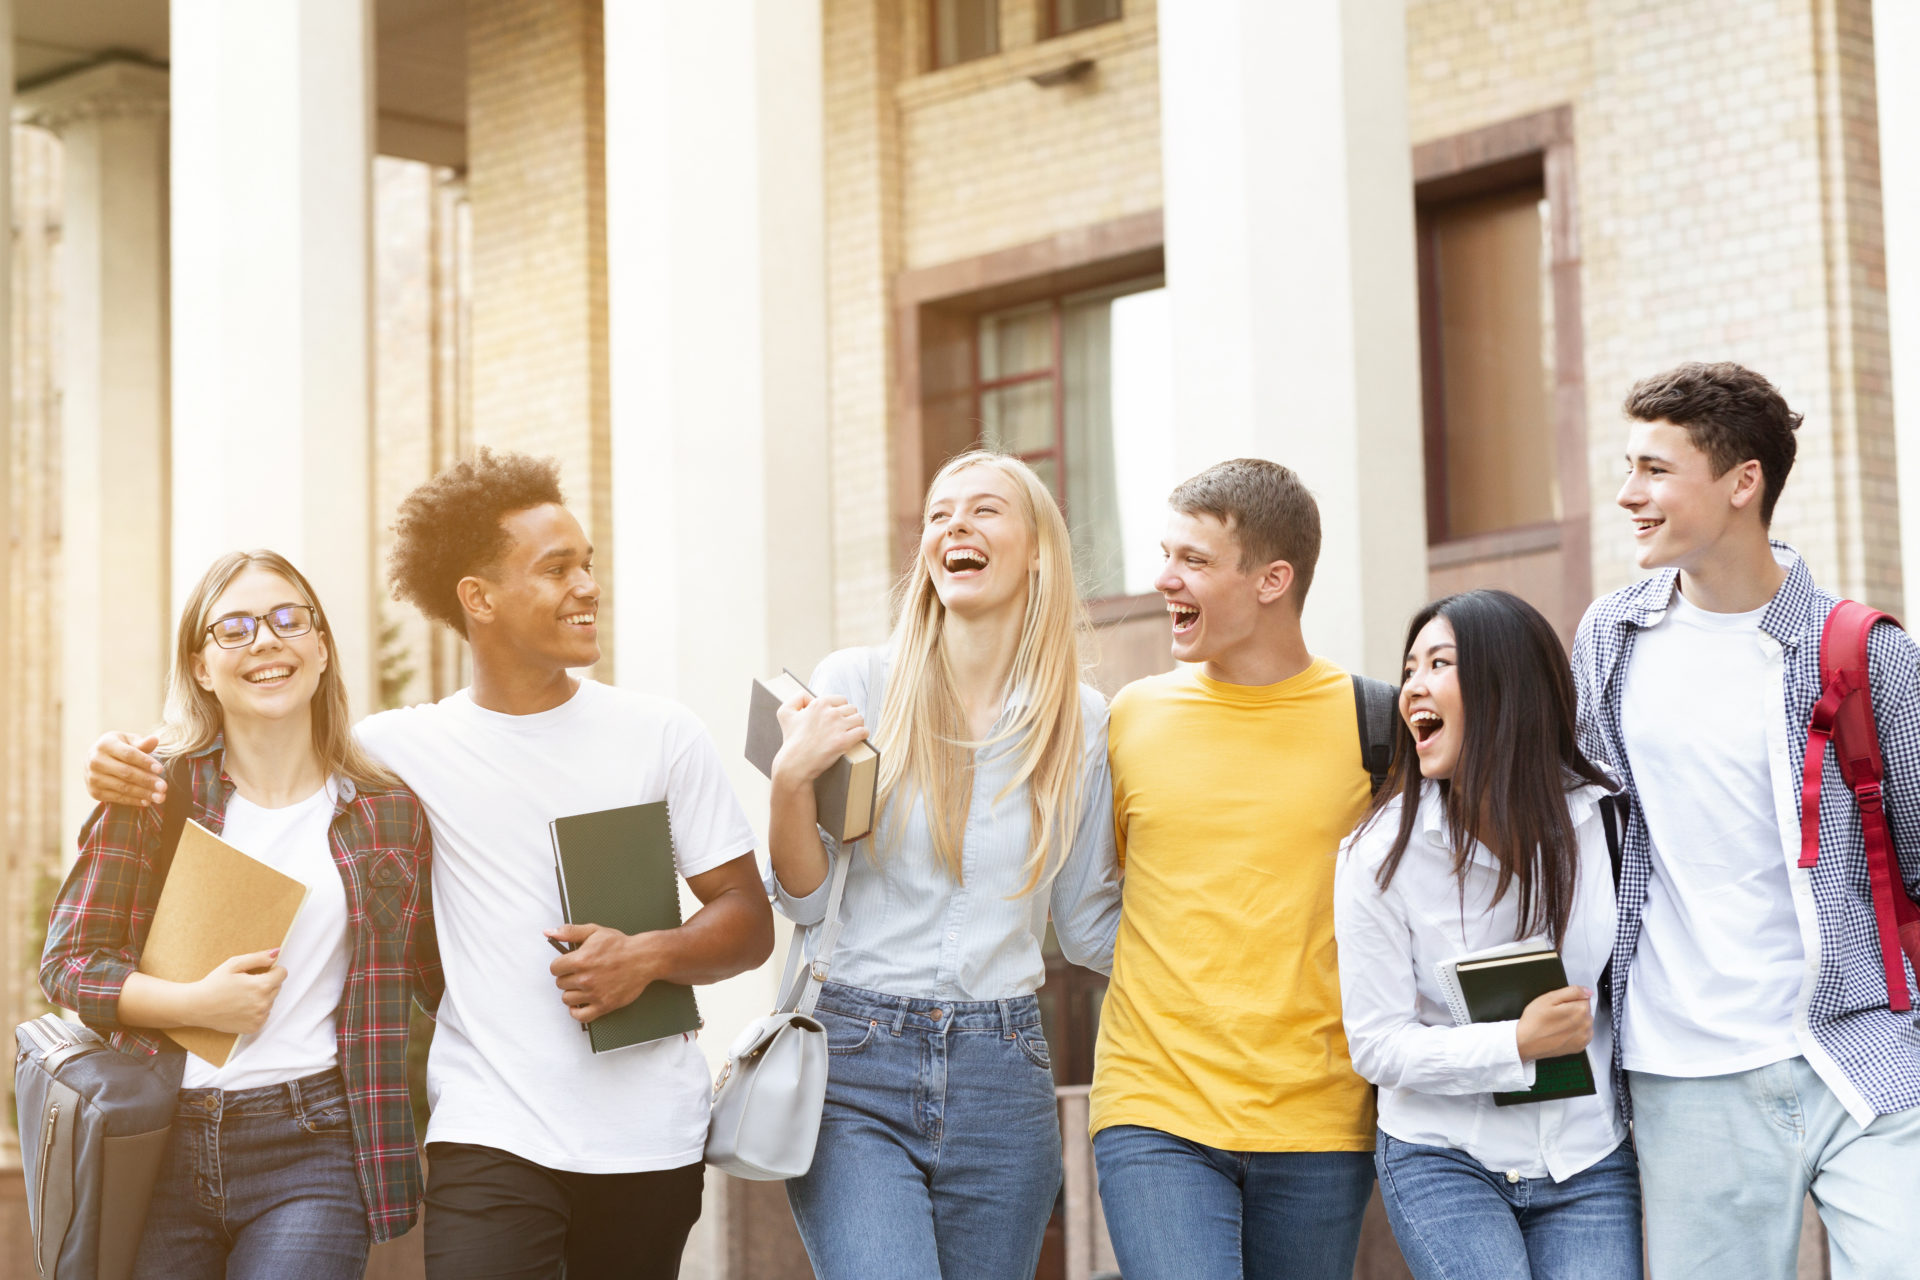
173,818
1373,707
1613,815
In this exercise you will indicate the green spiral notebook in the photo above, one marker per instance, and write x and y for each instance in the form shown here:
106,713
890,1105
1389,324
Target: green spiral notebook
616,869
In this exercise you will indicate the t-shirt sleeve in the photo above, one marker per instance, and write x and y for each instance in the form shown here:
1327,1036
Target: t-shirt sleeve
709,826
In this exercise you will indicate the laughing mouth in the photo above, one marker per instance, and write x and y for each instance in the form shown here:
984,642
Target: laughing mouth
265,674
1184,615
964,559
1425,724
1646,526
578,619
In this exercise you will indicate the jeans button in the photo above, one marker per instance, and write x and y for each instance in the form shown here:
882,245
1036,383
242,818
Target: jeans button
1512,1176
936,1014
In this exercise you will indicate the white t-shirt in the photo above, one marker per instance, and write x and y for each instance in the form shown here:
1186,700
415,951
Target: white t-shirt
509,1067
298,1037
1718,970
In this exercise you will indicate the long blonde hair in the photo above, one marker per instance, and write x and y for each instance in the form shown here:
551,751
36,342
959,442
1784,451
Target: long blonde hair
926,752
193,715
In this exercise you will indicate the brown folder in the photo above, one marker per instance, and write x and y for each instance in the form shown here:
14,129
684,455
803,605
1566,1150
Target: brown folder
218,903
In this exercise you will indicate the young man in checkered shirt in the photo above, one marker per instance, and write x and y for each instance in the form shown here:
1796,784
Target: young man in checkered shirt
1751,1015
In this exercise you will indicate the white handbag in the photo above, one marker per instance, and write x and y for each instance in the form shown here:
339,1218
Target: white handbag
767,1101
773,1085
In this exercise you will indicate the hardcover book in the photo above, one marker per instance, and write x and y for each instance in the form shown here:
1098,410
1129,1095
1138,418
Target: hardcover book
616,869
844,794
1496,986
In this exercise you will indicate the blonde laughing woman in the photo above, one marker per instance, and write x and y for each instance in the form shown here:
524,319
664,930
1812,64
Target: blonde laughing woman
939,1150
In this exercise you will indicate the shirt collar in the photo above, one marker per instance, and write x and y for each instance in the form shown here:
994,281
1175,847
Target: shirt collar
344,790
1786,616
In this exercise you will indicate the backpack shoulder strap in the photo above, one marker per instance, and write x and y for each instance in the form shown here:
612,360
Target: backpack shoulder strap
1614,810
1843,716
173,818
1373,707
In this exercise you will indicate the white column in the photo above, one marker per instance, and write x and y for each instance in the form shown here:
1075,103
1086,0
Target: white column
1290,270
716,318
23,869
1896,49
272,151
112,122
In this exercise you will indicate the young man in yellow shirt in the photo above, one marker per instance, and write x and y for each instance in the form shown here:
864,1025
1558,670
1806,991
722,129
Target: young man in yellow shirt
1232,1136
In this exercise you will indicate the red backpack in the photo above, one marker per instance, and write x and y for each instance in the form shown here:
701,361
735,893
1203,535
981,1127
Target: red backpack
1844,716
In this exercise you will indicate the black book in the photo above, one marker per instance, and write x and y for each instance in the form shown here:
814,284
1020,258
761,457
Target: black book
616,869
1498,988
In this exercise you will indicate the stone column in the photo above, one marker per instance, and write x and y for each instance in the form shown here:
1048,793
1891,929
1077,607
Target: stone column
1290,270
721,497
112,123
1896,46
20,873
271,212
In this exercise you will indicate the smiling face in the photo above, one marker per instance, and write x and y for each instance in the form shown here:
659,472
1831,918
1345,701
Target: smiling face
540,600
1430,699
1680,509
977,545
1215,605
271,678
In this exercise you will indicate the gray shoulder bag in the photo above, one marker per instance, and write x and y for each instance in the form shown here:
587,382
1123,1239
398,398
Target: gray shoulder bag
768,1099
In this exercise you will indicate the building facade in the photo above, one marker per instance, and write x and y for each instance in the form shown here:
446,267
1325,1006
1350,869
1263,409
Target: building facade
751,270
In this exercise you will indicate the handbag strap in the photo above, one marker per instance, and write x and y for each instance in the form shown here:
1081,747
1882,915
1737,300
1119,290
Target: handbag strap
799,990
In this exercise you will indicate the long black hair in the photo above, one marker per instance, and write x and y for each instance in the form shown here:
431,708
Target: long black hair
1518,758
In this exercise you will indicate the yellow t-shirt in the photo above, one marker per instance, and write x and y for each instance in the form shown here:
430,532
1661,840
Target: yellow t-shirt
1222,1023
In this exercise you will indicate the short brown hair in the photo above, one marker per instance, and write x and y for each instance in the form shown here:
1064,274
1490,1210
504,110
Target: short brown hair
1266,507
450,527
1732,414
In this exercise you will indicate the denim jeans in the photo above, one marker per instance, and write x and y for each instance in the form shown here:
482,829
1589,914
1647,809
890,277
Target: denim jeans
939,1151
1456,1219
1728,1160
258,1184
1179,1210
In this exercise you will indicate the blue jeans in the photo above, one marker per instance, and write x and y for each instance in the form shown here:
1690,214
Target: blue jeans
1727,1162
1179,1210
1456,1219
258,1184
939,1151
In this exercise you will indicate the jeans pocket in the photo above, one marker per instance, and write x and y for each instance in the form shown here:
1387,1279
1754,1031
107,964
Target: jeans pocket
332,1117
845,1034
1033,1044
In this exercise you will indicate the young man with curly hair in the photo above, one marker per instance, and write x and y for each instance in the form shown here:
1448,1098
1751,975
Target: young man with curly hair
1751,1008
538,1150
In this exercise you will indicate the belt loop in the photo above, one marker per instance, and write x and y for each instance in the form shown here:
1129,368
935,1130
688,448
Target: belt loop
900,1015
293,1096
1006,1019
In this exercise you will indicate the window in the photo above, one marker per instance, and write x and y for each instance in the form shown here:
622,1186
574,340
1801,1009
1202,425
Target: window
1490,309
1071,15
1079,386
963,30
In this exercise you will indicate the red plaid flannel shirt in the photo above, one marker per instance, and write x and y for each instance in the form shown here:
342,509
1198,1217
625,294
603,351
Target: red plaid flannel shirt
383,849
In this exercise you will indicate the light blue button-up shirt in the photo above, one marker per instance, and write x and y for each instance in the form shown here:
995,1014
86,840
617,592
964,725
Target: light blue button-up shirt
909,930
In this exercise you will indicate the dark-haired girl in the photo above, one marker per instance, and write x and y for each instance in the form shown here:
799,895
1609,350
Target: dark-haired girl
1488,831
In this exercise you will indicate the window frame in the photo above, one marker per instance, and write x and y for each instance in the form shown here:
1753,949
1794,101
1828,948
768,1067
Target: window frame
1050,28
1532,149
930,14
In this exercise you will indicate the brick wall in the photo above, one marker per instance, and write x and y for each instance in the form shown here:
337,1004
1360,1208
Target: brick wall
926,167
1729,209
536,124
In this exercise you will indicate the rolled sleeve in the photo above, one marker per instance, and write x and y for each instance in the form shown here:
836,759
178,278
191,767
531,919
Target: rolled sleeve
1379,1001
90,933
807,909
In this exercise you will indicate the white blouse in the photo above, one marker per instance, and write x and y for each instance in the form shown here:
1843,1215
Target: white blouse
1437,1080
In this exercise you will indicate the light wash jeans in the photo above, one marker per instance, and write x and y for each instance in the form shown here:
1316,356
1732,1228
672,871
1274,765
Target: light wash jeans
258,1184
939,1151
1456,1219
1181,1210
1726,1161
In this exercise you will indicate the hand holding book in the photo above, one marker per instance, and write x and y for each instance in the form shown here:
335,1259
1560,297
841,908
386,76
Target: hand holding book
815,732
1556,1024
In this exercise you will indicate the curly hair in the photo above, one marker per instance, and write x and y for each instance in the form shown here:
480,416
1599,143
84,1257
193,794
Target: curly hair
450,527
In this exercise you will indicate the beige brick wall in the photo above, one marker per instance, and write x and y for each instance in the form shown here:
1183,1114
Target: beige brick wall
536,124
926,167
1728,210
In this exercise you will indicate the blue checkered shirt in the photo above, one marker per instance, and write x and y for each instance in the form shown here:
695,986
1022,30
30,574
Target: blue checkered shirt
1867,1053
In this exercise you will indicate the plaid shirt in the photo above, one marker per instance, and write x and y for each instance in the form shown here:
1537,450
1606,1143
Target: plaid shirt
382,847
1867,1054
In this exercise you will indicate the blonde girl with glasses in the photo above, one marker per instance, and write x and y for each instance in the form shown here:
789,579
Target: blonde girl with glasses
298,1153
939,1149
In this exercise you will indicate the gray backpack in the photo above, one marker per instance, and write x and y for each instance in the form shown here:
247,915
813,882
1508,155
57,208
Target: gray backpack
94,1124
